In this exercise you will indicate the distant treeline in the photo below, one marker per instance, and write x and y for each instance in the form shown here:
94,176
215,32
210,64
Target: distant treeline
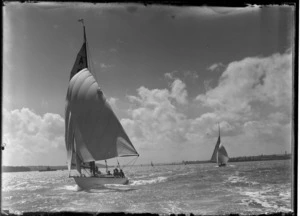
30,168
248,158
39,168
195,162
15,169
261,158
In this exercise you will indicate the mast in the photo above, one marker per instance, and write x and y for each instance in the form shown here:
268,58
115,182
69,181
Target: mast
106,165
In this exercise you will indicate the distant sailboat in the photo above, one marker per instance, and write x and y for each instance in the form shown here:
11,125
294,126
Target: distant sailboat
47,169
220,155
92,130
152,164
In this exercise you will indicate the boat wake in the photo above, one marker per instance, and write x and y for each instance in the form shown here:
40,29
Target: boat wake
108,188
68,188
266,198
119,188
148,181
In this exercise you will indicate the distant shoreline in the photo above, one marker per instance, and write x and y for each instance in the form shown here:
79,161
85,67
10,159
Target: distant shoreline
248,158
234,159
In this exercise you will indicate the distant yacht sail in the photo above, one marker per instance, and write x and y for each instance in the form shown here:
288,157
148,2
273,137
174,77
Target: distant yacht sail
152,164
92,130
220,155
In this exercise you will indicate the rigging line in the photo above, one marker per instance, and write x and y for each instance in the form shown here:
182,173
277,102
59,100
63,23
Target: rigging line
133,160
133,163
118,163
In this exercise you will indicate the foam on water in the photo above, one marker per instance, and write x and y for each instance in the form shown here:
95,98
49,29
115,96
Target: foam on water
184,174
240,180
149,181
171,207
13,187
267,198
68,188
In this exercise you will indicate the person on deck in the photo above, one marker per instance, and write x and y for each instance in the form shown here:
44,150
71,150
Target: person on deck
122,174
98,172
116,172
92,167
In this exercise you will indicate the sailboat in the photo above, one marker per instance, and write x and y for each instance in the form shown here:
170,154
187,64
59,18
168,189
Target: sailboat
220,155
152,164
47,169
92,130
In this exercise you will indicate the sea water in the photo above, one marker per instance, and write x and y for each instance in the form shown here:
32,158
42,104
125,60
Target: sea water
244,188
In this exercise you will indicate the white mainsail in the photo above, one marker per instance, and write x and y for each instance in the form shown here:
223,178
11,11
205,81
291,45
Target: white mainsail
214,156
92,130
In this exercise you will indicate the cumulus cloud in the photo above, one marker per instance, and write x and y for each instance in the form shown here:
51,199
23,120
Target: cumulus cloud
156,116
216,66
251,103
191,74
265,80
113,102
184,75
179,92
171,75
32,138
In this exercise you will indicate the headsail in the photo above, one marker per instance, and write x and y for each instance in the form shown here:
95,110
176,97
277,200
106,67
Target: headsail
93,132
222,155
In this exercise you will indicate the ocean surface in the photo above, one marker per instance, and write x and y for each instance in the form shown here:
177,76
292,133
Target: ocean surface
245,188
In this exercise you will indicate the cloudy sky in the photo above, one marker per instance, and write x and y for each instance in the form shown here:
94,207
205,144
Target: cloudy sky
170,74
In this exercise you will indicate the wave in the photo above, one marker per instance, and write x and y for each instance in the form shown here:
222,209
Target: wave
14,187
183,174
149,181
263,199
240,181
171,207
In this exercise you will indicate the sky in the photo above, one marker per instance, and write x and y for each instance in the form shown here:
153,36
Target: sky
171,74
